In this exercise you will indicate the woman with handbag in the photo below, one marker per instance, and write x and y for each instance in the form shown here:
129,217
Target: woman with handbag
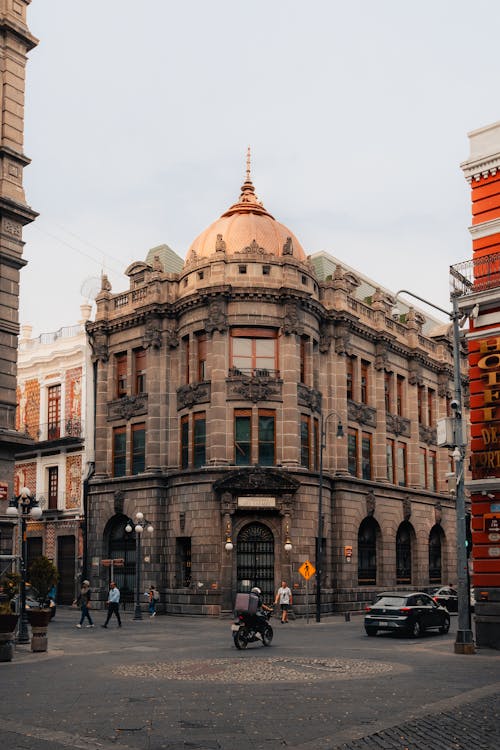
84,602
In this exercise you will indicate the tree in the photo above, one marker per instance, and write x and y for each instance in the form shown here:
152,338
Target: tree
42,576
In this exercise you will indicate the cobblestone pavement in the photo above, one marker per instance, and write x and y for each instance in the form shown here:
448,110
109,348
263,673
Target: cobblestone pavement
473,726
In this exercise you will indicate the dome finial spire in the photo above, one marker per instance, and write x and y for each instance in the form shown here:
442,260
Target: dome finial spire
249,179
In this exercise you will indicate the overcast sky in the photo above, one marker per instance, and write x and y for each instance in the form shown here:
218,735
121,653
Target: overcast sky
138,116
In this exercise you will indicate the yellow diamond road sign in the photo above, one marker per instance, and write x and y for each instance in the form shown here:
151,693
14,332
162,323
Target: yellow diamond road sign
307,570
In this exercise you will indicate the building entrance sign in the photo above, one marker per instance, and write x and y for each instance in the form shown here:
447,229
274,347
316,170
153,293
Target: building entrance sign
256,502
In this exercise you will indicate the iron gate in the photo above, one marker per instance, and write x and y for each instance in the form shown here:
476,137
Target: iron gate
255,559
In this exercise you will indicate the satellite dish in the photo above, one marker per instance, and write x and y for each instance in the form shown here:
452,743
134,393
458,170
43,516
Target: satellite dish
90,288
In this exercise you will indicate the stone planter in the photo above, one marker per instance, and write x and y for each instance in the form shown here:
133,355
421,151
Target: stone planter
39,620
7,628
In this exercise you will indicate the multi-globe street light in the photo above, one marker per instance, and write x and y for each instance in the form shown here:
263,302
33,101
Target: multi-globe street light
319,537
138,527
24,507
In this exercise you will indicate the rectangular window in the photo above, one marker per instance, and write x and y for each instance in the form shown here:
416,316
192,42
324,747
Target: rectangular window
140,371
305,440
202,357
399,395
243,437
389,454
267,435
54,412
254,352
423,467
186,353
199,439
183,562
316,445
53,487
349,363
432,471
420,403
184,441
366,455
352,452
303,359
121,374
431,407
388,378
119,451
401,464
138,448
364,381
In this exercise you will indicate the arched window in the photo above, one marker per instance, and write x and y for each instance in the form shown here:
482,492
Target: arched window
121,546
435,568
367,552
403,552
255,559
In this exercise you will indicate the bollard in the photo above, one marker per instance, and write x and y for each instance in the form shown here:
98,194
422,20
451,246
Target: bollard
39,638
347,616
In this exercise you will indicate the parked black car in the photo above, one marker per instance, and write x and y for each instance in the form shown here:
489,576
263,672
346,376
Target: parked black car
410,612
446,597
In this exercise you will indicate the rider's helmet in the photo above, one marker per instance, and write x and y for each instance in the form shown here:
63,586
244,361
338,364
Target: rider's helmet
256,590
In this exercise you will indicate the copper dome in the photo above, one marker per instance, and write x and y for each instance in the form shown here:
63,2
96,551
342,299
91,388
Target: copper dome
246,226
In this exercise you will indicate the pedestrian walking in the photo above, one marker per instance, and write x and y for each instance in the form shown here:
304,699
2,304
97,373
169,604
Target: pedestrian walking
83,601
113,604
284,598
153,596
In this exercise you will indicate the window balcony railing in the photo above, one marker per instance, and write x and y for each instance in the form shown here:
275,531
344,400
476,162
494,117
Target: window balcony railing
475,275
253,372
69,428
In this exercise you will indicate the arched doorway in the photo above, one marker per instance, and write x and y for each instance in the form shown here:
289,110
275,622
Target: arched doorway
367,552
435,554
403,552
121,545
255,559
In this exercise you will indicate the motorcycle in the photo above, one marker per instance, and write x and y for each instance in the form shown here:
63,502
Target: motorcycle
248,628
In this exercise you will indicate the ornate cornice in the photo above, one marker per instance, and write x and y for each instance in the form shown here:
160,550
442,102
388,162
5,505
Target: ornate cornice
257,479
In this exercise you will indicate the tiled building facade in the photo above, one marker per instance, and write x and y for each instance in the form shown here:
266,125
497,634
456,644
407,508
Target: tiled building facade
210,388
55,410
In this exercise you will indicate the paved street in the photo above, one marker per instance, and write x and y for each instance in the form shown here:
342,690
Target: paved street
179,683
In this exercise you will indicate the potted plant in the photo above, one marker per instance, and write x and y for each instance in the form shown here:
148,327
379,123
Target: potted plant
9,588
43,575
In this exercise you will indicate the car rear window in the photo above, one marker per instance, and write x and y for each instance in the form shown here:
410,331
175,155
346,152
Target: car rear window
390,601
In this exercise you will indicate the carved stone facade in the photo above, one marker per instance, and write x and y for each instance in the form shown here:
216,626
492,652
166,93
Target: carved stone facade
242,357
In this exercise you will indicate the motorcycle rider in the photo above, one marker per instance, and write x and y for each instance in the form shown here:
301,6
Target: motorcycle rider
261,608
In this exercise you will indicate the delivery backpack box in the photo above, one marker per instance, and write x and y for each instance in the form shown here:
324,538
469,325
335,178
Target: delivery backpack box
246,603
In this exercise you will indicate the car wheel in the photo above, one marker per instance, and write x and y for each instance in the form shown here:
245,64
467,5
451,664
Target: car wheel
371,631
416,629
445,626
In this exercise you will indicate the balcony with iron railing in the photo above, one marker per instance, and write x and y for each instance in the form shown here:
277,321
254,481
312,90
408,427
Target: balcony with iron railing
68,430
475,275
50,338
253,372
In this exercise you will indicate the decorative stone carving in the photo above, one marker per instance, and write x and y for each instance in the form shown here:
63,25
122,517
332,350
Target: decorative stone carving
99,345
291,320
253,247
325,338
105,283
406,508
194,393
128,407
382,356
398,425
12,228
370,503
415,376
257,479
220,245
443,389
118,501
427,435
171,337
157,264
438,512
152,334
343,339
254,389
361,413
288,247
217,319
309,398
227,502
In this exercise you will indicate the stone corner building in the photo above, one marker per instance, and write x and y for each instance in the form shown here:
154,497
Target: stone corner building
210,387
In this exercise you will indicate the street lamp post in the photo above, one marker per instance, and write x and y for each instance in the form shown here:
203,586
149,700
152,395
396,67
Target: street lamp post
22,507
139,526
319,537
464,642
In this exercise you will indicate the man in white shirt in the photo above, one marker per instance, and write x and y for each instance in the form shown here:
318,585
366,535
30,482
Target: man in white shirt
284,597
113,604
